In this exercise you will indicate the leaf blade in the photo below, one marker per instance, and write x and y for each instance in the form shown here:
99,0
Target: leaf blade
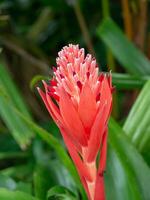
125,52
130,158
15,195
137,125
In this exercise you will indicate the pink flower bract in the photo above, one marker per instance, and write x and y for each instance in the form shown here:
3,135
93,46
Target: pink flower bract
79,99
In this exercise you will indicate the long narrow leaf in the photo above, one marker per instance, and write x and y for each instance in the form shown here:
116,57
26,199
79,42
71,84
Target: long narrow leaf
131,166
9,95
137,125
12,91
118,179
125,52
17,127
127,81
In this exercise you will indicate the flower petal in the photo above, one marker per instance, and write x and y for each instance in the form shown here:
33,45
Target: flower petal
71,118
51,108
81,167
100,188
96,135
43,96
105,92
85,186
100,121
103,153
87,106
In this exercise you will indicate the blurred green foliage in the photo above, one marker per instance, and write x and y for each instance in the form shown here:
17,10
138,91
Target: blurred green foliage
34,163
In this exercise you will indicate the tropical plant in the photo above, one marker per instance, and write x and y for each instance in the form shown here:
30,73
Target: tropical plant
34,162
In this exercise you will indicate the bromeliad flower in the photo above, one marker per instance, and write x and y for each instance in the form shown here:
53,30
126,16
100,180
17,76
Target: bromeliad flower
79,100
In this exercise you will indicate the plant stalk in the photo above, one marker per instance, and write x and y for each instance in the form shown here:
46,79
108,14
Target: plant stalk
84,28
127,19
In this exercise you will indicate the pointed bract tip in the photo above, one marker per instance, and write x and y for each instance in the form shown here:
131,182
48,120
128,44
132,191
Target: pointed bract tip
44,82
38,89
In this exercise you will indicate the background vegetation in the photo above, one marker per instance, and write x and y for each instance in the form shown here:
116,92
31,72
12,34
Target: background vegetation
34,163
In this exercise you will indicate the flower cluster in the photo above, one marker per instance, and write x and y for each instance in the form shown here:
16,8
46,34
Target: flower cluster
79,99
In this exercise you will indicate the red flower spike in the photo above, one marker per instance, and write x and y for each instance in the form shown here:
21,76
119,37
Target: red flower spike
71,118
87,108
79,101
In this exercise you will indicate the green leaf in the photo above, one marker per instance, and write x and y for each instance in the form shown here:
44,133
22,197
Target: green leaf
7,182
16,195
9,95
11,90
127,171
42,181
24,187
20,131
117,181
137,125
49,171
60,193
127,81
125,52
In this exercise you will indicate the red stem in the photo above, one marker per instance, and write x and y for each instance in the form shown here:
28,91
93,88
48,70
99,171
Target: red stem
100,188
